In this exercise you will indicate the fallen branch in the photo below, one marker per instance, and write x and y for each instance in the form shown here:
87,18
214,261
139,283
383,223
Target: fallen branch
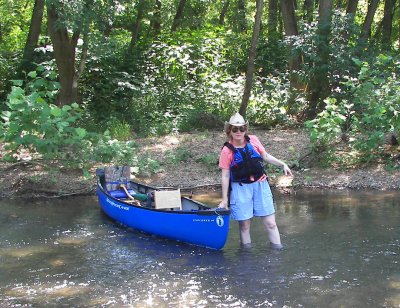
27,163
44,193
68,194
192,187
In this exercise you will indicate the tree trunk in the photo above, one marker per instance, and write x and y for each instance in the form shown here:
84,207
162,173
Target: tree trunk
136,26
387,23
308,8
85,47
241,15
351,10
319,82
223,12
398,38
156,21
272,18
34,32
352,7
64,53
340,4
290,26
179,15
366,28
289,17
251,59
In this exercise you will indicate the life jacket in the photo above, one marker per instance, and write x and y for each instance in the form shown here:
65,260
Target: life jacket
247,164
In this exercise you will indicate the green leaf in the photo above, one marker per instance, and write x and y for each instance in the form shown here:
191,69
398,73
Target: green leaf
363,70
56,111
6,115
39,83
81,132
61,125
86,174
16,92
17,83
357,61
32,74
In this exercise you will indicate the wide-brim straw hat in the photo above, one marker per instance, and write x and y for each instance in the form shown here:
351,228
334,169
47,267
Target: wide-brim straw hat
235,120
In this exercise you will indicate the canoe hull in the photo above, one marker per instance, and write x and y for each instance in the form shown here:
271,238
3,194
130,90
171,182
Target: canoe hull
205,227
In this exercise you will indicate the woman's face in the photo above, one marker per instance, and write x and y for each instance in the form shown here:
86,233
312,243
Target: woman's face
238,132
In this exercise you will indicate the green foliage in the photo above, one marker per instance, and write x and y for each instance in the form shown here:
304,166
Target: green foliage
210,160
50,133
186,80
188,69
342,47
120,130
361,108
272,55
15,17
268,106
79,14
326,128
377,104
7,69
110,89
196,119
295,160
273,171
148,166
166,82
32,123
178,155
168,85
104,149
373,113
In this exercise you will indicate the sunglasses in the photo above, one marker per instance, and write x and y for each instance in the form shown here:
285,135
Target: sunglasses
235,129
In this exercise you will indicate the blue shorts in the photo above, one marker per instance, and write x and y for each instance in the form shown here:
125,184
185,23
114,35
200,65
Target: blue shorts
248,200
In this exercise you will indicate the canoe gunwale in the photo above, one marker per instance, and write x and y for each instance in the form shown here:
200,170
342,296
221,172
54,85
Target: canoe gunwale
205,211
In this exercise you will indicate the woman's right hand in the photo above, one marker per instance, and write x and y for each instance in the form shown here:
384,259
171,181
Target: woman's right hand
225,177
223,204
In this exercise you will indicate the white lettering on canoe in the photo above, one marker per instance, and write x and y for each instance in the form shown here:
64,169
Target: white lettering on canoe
203,220
120,206
219,221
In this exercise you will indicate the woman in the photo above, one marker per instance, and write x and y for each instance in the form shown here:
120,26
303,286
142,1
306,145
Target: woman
245,182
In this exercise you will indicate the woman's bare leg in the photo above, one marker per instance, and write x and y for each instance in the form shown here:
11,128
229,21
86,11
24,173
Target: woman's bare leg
272,230
244,229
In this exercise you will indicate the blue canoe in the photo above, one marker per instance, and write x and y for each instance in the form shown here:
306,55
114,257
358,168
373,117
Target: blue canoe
195,223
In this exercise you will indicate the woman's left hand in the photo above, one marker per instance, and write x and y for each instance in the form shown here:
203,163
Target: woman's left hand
287,170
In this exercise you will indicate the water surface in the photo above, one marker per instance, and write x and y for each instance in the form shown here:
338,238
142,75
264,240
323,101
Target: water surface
341,250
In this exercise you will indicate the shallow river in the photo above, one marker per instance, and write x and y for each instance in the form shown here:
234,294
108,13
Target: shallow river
342,249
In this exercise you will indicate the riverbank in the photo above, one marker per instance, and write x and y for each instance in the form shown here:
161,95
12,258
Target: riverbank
188,161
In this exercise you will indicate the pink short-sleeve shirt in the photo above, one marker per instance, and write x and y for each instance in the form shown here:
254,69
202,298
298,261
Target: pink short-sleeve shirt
226,155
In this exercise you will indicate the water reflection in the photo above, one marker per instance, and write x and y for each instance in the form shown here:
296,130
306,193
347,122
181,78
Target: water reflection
342,249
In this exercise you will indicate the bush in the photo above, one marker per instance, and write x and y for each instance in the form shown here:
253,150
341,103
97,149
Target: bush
164,84
7,69
376,97
51,133
371,115
326,128
120,130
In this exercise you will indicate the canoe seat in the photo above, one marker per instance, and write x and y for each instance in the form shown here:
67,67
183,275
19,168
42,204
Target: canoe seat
116,175
168,199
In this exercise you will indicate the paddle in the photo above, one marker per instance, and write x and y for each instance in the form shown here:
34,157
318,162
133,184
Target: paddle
140,197
126,191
